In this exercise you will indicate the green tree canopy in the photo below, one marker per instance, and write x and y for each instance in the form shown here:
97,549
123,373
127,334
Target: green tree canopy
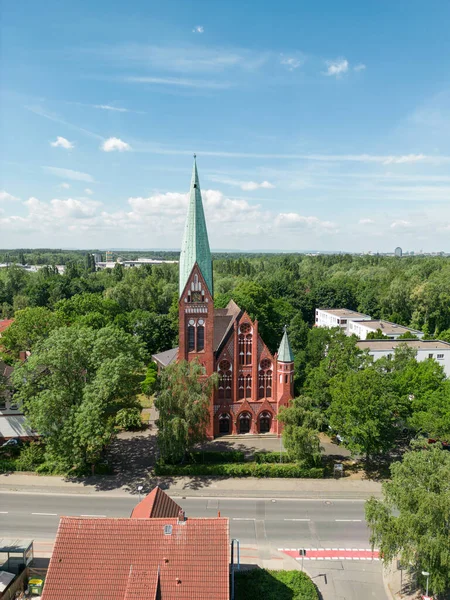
183,403
302,419
412,520
72,386
30,326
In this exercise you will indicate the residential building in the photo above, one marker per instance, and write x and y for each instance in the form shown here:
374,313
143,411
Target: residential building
4,324
338,317
12,420
398,252
435,349
141,558
253,382
362,329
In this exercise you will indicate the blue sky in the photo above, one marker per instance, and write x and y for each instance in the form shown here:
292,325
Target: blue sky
317,125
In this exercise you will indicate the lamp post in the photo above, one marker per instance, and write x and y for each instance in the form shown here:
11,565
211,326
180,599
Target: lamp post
140,487
426,574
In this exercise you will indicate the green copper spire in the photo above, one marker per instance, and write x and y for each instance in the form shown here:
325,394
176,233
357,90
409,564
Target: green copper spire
285,353
195,246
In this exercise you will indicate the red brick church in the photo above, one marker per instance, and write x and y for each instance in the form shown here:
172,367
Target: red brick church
253,383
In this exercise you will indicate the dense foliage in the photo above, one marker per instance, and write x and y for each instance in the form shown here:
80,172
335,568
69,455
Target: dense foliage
412,521
274,585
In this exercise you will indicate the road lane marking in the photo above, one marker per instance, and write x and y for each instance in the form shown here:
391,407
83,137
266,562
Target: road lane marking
348,520
45,514
3,512
303,520
243,519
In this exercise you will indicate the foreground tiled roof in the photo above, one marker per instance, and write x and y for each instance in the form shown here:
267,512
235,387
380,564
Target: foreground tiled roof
5,323
127,559
156,505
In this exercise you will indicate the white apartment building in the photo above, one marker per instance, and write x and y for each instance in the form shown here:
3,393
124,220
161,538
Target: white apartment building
338,317
362,328
435,349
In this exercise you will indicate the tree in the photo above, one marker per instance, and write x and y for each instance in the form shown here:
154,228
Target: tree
30,326
362,410
412,520
431,413
183,403
302,420
376,335
148,386
72,386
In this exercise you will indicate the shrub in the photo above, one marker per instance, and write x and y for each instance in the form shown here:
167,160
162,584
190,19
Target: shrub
7,466
31,456
214,457
274,585
251,469
272,457
129,418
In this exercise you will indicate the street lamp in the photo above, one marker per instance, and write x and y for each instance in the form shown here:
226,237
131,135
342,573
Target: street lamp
426,574
140,488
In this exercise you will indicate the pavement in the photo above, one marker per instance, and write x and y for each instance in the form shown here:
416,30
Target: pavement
265,526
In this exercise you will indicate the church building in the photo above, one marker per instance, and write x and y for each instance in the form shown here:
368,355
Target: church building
253,383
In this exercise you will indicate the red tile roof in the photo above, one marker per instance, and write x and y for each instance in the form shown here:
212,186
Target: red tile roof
5,323
156,505
126,559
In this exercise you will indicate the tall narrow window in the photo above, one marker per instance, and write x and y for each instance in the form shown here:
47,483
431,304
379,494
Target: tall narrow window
248,349
265,379
200,338
241,347
191,338
248,386
241,390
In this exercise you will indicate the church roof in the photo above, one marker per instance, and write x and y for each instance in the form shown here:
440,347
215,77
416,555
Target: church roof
285,353
195,245
166,357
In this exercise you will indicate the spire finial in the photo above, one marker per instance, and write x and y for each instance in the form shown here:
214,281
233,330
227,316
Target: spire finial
195,156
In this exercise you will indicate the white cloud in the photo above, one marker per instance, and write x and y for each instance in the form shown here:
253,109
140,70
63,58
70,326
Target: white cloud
366,221
360,67
69,174
296,221
198,29
400,224
252,185
181,82
61,142
77,209
6,197
337,67
292,62
112,108
113,143
88,191
64,186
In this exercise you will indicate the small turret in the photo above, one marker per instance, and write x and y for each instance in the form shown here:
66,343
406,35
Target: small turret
285,374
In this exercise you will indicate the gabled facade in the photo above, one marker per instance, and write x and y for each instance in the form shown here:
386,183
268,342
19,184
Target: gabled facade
253,383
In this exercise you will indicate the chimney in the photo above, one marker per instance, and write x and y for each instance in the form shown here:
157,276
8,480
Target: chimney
181,517
23,355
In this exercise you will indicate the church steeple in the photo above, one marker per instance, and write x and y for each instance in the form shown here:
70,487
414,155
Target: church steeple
195,246
285,353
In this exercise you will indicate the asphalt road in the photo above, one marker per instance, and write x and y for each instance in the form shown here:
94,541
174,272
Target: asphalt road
263,524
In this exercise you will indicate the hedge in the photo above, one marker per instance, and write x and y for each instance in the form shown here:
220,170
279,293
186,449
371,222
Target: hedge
214,457
274,585
250,469
272,457
6,466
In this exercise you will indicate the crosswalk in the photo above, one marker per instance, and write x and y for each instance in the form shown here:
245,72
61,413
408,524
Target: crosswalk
332,553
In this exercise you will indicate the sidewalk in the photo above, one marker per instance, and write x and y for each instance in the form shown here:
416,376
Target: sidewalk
196,486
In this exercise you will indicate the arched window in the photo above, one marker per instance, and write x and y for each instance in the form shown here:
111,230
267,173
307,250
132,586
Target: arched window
265,379
191,336
241,389
248,349
224,423
248,386
225,379
200,336
241,342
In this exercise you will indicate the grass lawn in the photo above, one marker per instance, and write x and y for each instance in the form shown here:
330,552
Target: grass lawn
145,401
259,584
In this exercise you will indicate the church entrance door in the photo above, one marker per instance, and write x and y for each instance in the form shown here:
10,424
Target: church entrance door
224,423
264,422
244,423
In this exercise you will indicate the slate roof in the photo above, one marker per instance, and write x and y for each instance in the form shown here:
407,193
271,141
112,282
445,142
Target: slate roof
285,353
195,245
166,357
136,559
223,322
156,505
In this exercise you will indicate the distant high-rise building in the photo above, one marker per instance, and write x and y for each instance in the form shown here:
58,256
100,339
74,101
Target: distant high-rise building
97,257
109,256
398,251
